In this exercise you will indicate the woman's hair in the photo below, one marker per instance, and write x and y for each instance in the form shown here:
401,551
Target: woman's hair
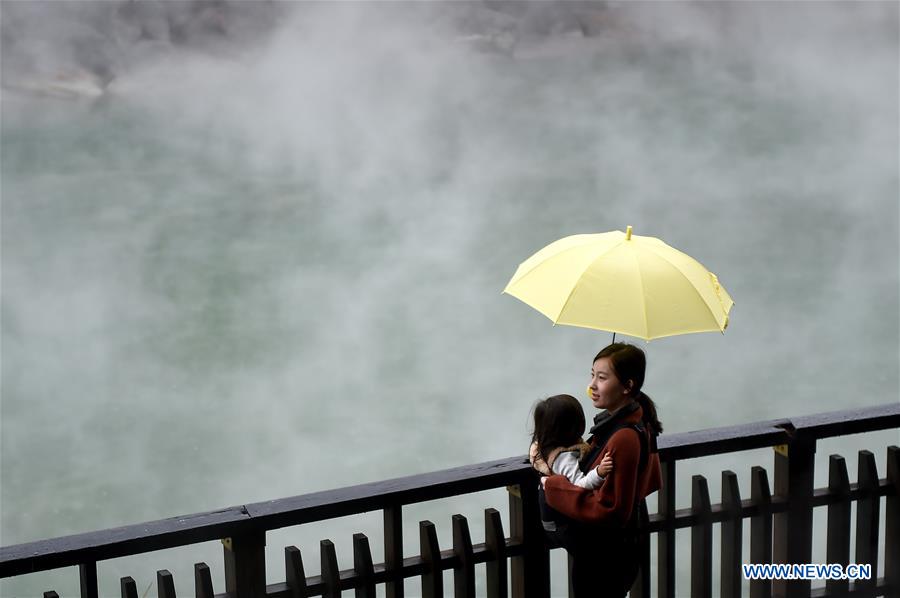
558,422
629,363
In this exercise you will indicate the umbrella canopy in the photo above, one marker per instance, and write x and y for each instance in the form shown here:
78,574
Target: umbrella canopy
622,283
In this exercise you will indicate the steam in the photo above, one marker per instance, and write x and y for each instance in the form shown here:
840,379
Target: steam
253,250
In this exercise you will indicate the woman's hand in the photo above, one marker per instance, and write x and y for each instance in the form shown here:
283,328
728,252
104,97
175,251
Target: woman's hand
606,465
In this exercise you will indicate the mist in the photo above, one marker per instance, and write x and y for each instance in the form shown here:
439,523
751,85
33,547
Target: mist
252,250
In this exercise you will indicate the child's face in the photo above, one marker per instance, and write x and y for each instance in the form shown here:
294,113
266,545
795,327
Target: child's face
607,391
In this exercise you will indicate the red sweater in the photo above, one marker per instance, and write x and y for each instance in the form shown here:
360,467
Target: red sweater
612,503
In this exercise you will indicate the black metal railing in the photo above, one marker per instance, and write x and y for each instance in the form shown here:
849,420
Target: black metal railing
780,526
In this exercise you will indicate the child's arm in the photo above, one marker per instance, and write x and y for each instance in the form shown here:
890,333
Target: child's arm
591,480
567,464
596,476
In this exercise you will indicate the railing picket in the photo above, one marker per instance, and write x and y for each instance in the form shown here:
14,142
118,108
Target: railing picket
165,584
88,574
867,516
666,538
433,577
128,588
495,540
393,550
892,523
464,574
362,566
792,529
203,587
760,529
838,535
331,575
732,536
294,573
701,540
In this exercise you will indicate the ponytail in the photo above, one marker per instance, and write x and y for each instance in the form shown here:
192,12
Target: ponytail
649,408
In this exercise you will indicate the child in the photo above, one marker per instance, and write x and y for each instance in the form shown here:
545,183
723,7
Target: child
557,448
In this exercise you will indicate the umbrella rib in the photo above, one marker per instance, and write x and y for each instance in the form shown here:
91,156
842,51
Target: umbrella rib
693,288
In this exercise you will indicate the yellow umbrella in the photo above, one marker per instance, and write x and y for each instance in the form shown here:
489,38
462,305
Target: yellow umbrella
622,283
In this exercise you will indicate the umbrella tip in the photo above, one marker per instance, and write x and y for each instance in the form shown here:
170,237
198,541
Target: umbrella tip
628,233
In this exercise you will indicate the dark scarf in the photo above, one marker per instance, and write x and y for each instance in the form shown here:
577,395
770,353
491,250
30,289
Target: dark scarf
606,421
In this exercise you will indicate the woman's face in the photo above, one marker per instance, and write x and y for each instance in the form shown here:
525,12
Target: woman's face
607,391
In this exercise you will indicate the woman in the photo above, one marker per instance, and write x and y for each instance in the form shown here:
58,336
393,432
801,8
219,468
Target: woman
602,541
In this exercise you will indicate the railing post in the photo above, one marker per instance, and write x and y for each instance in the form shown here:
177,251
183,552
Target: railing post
892,524
792,529
393,550
666,537
245,565
530,573
88,575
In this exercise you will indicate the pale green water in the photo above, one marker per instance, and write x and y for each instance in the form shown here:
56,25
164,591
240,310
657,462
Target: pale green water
283,275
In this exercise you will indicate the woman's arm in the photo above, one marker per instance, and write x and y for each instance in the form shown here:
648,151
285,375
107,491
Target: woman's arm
612,502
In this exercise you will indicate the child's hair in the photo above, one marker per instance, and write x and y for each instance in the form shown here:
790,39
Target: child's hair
558,422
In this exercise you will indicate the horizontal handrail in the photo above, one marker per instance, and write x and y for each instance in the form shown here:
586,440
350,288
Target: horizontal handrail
100,545
729,439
